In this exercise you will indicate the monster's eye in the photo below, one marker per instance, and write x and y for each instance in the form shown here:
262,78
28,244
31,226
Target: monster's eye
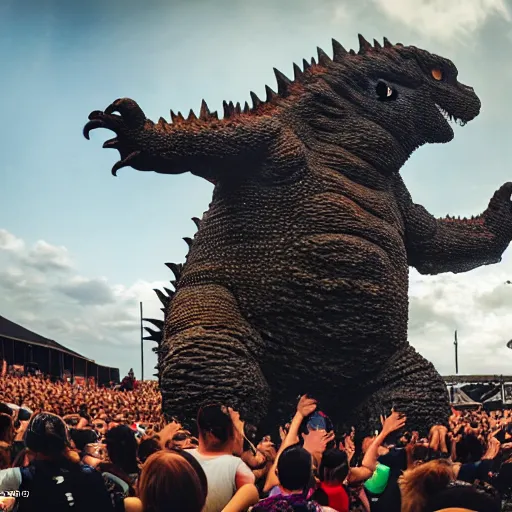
384,91
437,74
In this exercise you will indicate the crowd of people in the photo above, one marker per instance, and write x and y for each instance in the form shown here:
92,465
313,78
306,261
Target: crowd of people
63,447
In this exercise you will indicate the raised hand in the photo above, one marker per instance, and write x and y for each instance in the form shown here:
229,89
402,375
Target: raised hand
306,406
168,432
394,422
316,441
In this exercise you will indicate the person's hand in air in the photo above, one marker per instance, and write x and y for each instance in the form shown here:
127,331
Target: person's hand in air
316,441
306,406
394,422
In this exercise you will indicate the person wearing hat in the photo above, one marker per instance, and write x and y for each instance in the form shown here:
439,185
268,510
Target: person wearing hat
54,477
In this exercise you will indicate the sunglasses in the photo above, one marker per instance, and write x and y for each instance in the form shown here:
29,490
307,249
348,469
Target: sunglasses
99,425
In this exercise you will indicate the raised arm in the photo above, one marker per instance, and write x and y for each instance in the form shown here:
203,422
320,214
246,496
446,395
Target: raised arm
204,145
454,245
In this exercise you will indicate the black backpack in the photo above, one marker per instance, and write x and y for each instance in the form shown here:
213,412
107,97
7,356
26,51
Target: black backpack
54,487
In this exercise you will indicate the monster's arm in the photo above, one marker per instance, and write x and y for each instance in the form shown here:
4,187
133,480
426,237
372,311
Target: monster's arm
206,146
450,245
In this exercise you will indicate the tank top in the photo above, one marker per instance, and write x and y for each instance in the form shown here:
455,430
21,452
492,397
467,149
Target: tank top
337,496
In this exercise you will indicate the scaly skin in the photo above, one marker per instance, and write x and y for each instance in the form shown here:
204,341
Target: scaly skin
297,280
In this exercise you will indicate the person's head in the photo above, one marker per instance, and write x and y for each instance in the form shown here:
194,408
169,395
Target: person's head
463,496
216,429
122,448
47,435
6,428
82,437
334,466
295,468
147,448
418,453
423,481
172,482
470,449
5,409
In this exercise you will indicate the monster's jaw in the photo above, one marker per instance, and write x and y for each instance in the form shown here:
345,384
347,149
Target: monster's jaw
449,117
459,106
459,113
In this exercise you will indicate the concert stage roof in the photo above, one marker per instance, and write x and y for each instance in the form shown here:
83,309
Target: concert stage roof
476,379
13,331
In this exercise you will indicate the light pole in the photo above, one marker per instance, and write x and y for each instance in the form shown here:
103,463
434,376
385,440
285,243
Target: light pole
141,345
456,343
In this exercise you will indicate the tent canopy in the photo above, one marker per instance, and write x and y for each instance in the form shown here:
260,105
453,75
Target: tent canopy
463,401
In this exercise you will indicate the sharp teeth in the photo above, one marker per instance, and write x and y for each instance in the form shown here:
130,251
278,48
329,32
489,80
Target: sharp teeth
446,115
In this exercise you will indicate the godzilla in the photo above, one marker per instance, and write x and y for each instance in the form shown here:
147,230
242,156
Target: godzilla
297,278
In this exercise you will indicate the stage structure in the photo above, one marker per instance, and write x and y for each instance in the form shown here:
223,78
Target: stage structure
22,349
492,391
297,279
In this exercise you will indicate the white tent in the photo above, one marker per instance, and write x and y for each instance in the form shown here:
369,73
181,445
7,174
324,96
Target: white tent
463,401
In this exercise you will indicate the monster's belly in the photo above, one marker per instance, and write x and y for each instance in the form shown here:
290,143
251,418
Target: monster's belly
323,280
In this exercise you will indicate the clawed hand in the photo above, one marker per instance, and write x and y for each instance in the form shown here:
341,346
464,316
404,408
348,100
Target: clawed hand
127,126
498,216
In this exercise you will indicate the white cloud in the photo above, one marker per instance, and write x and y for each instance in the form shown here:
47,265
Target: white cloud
8,242
87,291
45,256
90,315
477,305
441,19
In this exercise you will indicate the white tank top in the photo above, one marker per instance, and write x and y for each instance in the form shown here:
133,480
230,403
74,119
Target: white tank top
220,473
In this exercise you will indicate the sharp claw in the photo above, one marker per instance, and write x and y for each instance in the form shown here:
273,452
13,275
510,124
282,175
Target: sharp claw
506,190
111,108
92,125
502,194
129,110
111,143
125,162
96,114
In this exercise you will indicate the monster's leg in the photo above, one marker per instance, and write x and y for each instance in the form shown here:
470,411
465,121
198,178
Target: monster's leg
210,355
410,384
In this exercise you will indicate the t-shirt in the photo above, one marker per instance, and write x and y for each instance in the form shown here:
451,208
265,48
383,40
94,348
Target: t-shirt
221,471
287,503
61,487
337,496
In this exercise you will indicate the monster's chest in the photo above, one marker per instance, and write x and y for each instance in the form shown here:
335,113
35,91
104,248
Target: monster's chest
308,221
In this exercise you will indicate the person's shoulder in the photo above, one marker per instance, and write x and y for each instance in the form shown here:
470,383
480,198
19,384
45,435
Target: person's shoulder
264,504
133,505
10,479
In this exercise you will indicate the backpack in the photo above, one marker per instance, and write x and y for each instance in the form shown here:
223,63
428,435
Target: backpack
58,486
118,490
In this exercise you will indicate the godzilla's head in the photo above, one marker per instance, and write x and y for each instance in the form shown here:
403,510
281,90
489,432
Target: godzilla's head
390,97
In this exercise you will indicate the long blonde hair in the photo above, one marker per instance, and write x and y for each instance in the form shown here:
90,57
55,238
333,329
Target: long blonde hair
417,484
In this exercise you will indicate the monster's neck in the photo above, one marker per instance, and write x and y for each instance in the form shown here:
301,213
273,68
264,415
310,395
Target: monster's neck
345,142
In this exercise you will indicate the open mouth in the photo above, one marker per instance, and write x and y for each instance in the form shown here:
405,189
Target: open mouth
450,117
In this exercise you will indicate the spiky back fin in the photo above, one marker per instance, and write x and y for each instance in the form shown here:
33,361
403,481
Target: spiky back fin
164,299
285,86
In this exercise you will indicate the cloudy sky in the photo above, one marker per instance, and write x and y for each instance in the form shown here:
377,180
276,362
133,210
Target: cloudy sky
79,249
